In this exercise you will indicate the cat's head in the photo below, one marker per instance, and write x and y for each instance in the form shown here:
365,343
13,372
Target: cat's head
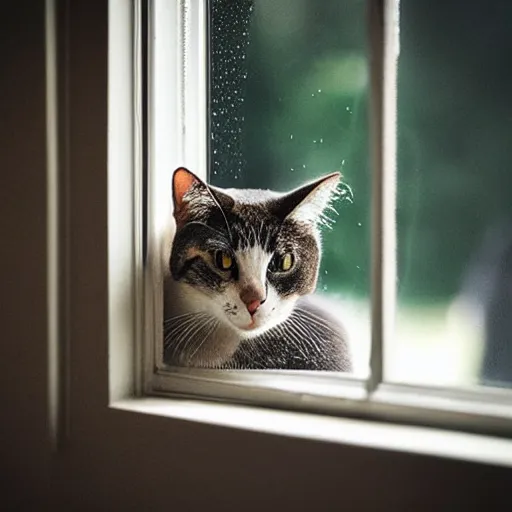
246,256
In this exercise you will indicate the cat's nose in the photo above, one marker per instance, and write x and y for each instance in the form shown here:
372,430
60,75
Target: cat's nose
253,298
253,306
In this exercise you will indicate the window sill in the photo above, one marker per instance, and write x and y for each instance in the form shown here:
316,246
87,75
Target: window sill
355,432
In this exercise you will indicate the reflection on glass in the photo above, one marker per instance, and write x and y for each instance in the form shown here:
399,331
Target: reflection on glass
454,318
288,103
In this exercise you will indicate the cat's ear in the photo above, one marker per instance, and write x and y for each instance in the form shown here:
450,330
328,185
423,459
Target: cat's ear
308,203
183,183
193,198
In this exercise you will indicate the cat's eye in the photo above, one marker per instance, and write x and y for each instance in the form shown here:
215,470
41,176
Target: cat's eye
287,262
223,260
282,262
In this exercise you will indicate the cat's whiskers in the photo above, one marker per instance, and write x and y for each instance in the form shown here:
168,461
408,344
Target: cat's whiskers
171,332
174,318
193,334
175,333
317,320
213,323
188,334
172,326
222,212
198,337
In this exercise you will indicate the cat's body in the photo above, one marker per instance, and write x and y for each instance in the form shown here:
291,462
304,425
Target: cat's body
240,273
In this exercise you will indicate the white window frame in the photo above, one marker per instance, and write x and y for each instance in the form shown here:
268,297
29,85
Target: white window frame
121,445
178,136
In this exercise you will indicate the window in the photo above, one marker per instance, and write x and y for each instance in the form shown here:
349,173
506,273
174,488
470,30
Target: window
288,103
104,451
257,86
453,204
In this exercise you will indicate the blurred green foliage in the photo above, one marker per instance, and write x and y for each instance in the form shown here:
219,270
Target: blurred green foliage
304,113
454,116
301,112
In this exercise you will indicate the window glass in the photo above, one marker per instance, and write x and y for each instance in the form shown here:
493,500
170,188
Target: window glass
288,103
454,318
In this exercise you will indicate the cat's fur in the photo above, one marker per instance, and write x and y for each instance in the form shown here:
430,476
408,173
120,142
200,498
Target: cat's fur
209,322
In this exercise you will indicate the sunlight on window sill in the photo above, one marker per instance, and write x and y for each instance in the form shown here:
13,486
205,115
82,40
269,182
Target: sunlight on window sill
354,432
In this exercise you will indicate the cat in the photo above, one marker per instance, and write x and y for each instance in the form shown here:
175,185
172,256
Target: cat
239,278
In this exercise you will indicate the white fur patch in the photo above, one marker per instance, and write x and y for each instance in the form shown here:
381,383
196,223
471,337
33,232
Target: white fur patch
252,266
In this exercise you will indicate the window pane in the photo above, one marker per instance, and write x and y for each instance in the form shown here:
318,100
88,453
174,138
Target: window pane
288,97
454,318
